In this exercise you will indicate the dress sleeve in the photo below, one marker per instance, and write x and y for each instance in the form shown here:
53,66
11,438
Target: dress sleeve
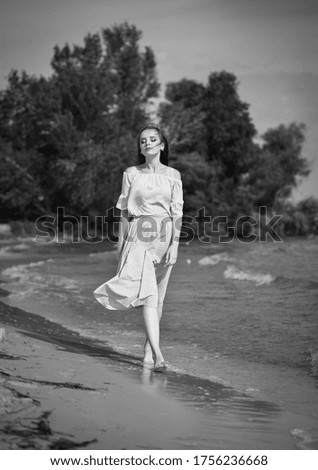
122,202
176,205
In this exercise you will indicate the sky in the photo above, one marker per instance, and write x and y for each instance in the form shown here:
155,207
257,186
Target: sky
270,45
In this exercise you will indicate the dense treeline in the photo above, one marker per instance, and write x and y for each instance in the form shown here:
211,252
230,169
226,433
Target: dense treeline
65,139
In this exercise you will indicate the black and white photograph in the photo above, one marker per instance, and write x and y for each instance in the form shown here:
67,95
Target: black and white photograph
159,230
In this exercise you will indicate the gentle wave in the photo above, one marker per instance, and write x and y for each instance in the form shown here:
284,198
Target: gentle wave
27,279
232,272
305,439
313,352
103,254
297,282
214,259
20,271
5,252
12,251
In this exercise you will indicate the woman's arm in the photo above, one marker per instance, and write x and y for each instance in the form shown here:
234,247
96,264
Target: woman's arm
176,230
123,225
122,204
172,252
176,210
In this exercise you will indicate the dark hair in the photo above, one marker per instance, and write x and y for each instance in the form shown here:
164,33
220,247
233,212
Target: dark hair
164,154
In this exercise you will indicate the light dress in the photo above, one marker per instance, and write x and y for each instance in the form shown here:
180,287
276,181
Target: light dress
154,202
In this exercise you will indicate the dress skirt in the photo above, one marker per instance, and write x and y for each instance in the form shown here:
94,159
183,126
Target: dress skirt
141,277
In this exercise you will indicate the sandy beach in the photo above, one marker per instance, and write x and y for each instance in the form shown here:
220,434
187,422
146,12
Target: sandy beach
52,398
60,391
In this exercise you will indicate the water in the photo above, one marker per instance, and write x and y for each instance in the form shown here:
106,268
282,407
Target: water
240,315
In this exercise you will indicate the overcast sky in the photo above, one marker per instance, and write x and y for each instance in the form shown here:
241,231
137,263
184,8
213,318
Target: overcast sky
270,45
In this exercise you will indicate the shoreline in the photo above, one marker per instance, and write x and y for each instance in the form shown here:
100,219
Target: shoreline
63,391
52,398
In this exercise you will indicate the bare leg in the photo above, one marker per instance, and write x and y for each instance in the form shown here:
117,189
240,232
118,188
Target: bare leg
151,320
148,356
163,275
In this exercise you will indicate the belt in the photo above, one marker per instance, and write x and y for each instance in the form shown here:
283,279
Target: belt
136,217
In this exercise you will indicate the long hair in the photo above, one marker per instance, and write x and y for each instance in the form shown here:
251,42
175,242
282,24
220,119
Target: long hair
164,154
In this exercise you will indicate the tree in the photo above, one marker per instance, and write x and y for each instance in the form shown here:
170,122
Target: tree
20,193
133,72
80,122
213,145
309,208
182,117
211,137
229,128
65,139
277,166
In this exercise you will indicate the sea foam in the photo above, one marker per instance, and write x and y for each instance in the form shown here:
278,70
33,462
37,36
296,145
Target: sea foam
214,259
27,280
232,272
20,271
13,251
305,439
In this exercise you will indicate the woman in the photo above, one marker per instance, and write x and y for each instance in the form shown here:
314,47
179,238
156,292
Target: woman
151,205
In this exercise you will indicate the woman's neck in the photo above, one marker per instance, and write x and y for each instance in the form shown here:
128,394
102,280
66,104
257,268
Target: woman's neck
153,164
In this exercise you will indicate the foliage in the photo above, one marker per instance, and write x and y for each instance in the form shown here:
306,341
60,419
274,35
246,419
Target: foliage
65,139
279,164
229,130
77,126
213,145
20,194
213,124
309,208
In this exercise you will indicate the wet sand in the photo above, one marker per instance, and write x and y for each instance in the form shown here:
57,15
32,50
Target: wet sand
62,391
55,399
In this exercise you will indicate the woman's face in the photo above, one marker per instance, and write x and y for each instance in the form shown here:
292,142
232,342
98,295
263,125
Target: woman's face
150,142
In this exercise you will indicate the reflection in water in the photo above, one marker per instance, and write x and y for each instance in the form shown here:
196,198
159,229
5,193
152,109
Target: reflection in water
152,381
194,391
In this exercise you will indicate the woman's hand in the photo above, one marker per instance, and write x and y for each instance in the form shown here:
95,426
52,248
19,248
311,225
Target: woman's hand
123,226
171,255
118,250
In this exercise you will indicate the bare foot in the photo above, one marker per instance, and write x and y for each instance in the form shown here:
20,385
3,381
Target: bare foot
148,357
159,360
160,367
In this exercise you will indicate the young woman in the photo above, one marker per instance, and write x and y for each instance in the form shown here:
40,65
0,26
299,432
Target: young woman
151,204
